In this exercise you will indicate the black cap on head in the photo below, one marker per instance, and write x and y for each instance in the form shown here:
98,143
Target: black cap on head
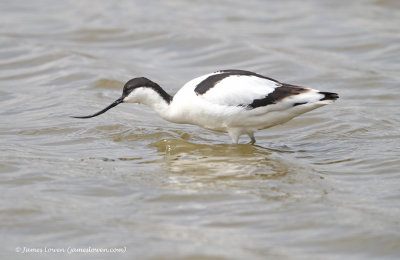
137,83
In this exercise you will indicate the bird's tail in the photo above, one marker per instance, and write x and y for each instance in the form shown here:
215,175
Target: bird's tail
329,96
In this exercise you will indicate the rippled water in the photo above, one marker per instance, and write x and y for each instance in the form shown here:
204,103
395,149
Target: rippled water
323,186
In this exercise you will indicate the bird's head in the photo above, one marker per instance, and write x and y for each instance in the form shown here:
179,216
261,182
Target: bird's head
134,91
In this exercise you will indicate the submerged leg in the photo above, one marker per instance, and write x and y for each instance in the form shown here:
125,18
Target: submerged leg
252,138
234,135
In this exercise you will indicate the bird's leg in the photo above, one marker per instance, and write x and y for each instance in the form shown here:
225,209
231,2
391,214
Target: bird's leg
252,138
234,135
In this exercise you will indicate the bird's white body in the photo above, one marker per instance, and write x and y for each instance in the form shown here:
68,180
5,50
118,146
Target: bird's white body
237,102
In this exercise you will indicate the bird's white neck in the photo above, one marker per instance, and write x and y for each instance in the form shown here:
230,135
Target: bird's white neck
156,99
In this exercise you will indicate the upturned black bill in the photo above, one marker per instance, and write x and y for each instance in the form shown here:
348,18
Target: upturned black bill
116,102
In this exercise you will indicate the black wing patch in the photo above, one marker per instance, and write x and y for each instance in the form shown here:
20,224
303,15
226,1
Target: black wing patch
284,91
212,80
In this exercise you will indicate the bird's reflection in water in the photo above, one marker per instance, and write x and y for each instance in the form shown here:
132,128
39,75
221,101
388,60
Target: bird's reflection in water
190,168
203,164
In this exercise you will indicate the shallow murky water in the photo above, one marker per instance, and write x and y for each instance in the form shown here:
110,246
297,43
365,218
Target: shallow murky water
323,186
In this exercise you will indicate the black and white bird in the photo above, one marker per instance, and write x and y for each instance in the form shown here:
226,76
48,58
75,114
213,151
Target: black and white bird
233,101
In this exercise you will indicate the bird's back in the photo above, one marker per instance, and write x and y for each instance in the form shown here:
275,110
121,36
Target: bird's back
241,99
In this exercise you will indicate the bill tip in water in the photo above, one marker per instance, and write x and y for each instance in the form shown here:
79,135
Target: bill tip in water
116,102
80,116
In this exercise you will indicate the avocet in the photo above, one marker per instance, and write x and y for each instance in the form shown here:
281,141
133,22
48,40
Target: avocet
237,102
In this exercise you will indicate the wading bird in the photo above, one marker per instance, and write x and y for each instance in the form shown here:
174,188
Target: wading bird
233,101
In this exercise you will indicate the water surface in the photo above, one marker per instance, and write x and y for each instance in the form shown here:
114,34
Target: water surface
323,186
